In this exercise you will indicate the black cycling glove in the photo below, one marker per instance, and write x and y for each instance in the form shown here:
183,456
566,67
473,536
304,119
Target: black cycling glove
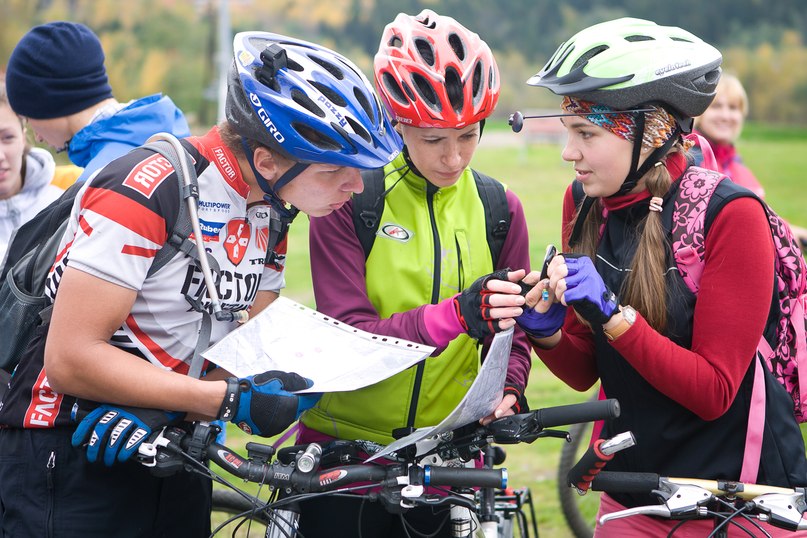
473,307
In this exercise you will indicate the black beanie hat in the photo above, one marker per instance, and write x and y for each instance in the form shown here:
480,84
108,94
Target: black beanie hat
57,69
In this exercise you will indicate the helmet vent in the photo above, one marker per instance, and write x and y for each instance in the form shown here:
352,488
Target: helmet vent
332,96
316,138
359,130
425,50
365,104
294,66
583,60
457,45
454,89
427,22
393,88
304,101
682,39
634,38
395,41
476,83
329,67
425,90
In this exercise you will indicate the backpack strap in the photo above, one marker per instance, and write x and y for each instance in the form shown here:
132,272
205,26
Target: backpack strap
695,190
368,207
702,152
178,241
497,213
366,210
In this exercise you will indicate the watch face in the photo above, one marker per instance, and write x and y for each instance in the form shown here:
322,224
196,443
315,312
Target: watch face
629,314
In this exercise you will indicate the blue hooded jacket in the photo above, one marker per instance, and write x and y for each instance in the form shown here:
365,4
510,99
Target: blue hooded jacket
108,138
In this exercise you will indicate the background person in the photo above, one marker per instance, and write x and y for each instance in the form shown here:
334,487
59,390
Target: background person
120,336
26,174
678,365
56,79
721,124
409,288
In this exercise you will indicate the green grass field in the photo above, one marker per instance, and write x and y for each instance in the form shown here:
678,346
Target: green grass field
538,175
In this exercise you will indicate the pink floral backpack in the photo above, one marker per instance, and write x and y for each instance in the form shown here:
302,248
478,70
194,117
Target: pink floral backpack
786,357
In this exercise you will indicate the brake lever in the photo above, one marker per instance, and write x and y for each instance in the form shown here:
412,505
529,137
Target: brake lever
514,429
451,500
147,451
680,501
783,510
650,510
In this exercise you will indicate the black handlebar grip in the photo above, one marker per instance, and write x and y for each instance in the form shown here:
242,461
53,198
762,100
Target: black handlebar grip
589,466
618,482
576,413
464,477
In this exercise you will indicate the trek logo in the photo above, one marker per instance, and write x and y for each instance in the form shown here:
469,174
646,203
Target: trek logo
264,116
148,174
395,232
238,235
210,230
44,406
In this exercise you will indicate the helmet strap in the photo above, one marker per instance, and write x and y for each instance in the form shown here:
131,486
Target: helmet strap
637,172
270,194
410,164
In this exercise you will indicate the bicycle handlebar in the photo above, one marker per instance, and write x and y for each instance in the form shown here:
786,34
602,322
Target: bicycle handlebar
527,427
286,472
684,498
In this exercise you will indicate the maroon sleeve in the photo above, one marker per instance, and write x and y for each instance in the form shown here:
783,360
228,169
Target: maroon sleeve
737,278
516,255
338,275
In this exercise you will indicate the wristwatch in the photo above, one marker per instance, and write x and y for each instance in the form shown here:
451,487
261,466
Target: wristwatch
628,319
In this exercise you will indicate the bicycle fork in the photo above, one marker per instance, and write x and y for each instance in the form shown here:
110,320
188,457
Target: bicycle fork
465,523
283,522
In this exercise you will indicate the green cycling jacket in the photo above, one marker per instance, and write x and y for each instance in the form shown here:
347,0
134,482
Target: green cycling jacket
431,244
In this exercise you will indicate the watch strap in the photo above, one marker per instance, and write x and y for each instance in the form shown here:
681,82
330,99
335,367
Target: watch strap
620,329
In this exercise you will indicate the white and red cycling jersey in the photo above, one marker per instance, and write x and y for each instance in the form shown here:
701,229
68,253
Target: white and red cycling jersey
120,220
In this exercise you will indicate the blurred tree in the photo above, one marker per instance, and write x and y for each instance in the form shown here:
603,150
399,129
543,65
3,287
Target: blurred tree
168,45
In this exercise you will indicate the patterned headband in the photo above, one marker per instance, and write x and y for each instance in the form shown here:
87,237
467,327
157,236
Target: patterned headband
659,124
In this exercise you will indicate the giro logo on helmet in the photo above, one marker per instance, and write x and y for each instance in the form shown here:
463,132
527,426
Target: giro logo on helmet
267,121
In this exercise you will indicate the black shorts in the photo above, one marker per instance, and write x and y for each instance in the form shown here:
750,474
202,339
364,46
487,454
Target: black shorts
49,490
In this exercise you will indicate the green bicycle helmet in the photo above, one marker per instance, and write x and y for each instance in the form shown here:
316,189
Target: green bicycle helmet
629,62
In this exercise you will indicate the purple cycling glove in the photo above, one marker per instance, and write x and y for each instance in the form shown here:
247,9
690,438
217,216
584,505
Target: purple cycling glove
540,325
586,291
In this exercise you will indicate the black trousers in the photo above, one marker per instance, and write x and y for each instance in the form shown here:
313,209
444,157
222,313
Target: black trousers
47,489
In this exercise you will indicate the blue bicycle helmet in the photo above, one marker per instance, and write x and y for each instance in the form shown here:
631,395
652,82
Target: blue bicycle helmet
310,103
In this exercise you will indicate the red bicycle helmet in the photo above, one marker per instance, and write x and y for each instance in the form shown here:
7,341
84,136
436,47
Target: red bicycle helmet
433,72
